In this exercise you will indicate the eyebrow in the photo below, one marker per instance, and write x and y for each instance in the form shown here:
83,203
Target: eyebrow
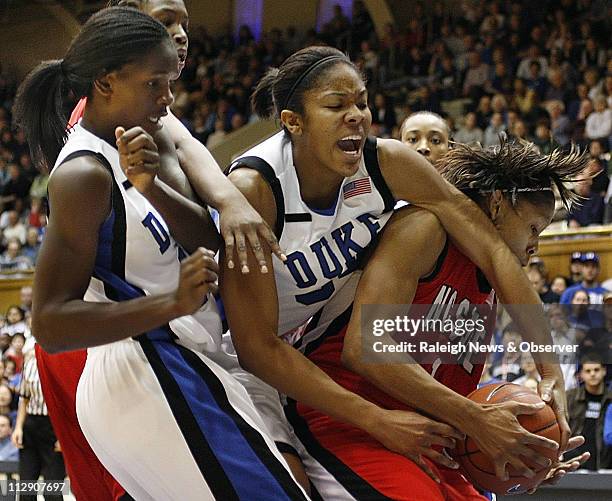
417,131
167,10
344,94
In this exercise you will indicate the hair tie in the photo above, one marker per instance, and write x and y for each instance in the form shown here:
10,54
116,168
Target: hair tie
306,72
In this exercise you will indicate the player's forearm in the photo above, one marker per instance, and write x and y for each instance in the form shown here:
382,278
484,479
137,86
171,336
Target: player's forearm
206,177
190,224
291,373
413,386
78,324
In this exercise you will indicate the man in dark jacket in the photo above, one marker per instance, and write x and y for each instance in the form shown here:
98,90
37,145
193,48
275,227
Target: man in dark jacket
587,408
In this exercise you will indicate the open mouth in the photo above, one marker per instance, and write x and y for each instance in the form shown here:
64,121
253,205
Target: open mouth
182,56
351,145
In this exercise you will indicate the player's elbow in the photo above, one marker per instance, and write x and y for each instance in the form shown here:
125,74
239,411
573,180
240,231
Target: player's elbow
45,333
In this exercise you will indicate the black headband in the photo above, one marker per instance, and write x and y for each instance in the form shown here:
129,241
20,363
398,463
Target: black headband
308,70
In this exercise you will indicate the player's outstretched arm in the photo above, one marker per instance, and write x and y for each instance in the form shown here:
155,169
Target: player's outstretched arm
410,177
251,306
241,225
408,250
80,194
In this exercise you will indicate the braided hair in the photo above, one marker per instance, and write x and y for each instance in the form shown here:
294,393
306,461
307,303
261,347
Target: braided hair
514,168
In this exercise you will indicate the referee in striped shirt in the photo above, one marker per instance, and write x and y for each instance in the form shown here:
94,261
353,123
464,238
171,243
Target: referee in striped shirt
39,451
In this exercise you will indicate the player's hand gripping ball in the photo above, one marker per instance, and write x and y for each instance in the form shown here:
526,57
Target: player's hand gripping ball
479,468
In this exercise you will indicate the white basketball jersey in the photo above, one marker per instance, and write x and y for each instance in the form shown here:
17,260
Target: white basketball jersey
323,248
136,254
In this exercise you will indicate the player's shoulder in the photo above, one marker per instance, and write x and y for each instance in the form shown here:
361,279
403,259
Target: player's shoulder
416,221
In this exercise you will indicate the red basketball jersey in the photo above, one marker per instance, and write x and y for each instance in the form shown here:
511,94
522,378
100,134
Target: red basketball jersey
455,280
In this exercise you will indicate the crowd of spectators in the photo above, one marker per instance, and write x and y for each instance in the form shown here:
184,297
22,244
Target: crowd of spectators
579,309
540,71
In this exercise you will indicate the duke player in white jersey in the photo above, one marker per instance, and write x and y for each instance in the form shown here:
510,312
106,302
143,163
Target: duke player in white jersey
166,422
328,190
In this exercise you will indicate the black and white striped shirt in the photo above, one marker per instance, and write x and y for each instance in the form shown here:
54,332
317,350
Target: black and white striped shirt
30,388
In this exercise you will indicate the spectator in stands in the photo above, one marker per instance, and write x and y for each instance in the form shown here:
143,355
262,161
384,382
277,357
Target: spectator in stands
560,123
538,281
519,130
543,138
575,268
529,369
533,56
523,98
592,55
558,285
476,76
8,451
15,350
25,297
217,136
15,321
589,272
508,368
599,122
383,114
12,259
14,229
535,81
35,213
581,315
591,210
562,335
32,246
587,406
17,188
599,339
493,131
7,402
557,88
470,133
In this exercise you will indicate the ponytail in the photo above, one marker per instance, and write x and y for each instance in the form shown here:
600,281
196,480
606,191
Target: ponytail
262,100
38,110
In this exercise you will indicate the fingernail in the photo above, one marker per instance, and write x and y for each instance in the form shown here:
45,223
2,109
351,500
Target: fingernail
230,265
283,257
244,269
455,466
264,269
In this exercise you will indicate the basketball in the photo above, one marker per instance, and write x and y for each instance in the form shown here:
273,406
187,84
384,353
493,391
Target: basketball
480,469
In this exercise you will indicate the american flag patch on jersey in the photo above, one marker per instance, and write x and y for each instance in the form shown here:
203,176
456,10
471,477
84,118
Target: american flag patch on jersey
357,187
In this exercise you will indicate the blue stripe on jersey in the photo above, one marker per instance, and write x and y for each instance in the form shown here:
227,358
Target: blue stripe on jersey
105,243
249,477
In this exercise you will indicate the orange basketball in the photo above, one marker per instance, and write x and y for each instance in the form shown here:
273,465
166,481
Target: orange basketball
477,466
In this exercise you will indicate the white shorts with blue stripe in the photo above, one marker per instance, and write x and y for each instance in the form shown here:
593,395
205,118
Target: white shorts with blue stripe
170,424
